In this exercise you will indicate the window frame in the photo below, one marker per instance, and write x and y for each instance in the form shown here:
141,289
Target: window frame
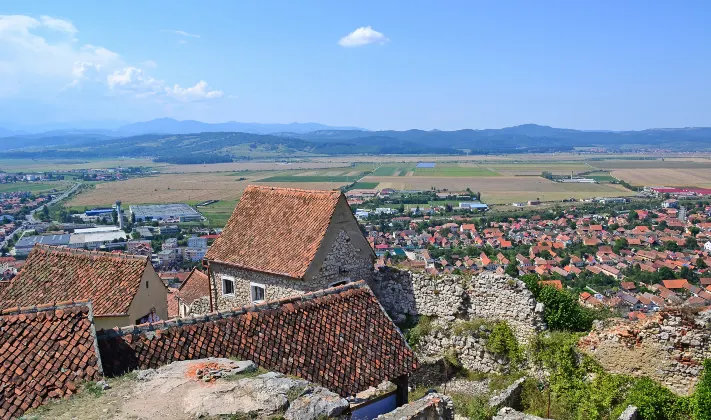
252,286
228,278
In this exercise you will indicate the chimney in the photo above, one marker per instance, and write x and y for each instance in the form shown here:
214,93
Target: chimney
119,216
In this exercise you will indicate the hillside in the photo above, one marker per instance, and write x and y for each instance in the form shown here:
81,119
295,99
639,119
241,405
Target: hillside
227,146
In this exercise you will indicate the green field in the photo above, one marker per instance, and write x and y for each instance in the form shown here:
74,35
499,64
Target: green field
365,185
218,213
391,170
601,177
454,170
33,186
311,178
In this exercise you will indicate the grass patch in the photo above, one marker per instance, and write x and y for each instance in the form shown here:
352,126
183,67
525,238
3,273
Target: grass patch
248,374
471,327
218,213
32,186
365,185
423,328
311,178
460,171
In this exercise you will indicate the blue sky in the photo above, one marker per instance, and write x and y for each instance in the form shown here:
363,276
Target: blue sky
415,64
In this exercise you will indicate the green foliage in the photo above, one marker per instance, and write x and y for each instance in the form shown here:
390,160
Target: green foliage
655,402
702,395
472,407
93,389
502,342
562,311
471,327
421,329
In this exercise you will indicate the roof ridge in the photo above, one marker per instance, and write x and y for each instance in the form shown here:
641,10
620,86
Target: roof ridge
46,307
228,313
270,188
80,251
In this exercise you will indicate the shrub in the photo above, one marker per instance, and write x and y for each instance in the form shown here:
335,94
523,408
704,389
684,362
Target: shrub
502,342
470,327
421,329
655,402
702,395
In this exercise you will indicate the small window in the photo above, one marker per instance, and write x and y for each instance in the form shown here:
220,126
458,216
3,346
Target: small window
146,284
257,291
228,286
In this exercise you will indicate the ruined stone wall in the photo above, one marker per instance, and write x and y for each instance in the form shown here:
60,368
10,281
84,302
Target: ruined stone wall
668,347
489,296
430,407
343,263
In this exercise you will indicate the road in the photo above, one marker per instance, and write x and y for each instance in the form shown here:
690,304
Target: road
30,218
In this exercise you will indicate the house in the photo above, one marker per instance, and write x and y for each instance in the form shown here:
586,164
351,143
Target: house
123,289
193,296
553,283
674,284
282,242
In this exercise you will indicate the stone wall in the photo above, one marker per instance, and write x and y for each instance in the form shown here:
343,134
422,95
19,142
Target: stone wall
430,407
669,347
343,263
489,296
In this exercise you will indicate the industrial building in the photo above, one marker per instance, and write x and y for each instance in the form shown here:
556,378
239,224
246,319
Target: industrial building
158,212
94,238
25,245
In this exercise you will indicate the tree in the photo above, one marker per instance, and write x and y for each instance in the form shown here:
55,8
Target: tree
672,246
633,215
665,273
691,243
511,270
701,264
620,244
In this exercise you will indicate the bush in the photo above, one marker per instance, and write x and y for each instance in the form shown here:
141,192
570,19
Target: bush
470,327
655,402
421,329
502,342
702,395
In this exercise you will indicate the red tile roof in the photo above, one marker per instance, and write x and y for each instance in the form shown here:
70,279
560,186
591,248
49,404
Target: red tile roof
555,283
674,284
173,305
46,353
53,274
275,230
197,285
340,338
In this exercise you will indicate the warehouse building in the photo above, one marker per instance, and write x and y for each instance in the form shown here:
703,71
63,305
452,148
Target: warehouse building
159,212
25,245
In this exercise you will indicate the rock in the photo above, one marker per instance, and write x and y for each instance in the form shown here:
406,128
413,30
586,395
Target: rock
103,385
539,308
630,413
314,403
510,397
508,413
146,375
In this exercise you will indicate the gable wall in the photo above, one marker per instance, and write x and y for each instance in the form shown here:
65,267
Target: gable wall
153,296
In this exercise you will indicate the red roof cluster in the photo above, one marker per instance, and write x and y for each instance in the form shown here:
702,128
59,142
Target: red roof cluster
47,351
53,274
339,338
275,230
197,285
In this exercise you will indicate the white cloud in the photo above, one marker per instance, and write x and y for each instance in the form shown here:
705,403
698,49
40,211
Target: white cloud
181,33
36,64
58,24
363,36
197,92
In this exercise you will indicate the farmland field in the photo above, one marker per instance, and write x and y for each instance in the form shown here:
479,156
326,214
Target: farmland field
251,166
666,177
181,188
30,165
218,213
33,186
503,190
455,170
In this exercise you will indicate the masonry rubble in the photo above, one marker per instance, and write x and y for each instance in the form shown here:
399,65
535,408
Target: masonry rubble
669,347
432,406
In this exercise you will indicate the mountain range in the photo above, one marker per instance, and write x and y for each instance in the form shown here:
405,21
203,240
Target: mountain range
175,141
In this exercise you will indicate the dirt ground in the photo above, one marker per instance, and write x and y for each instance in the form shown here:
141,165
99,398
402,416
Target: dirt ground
666,177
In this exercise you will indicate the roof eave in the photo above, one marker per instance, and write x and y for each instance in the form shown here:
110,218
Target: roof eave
257,270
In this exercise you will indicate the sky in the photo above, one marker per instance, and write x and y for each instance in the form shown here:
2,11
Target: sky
614,65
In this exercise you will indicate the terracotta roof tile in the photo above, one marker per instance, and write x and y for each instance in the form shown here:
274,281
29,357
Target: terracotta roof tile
40,360
197,285
276,230
554,283
339,338
53,274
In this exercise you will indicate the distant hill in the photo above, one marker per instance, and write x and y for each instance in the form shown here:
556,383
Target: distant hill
226,146
171,126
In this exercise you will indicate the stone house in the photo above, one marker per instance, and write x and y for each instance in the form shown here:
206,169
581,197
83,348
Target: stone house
122,288
282,242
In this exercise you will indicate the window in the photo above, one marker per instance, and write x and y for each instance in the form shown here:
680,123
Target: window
146,284
257,291
228,286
